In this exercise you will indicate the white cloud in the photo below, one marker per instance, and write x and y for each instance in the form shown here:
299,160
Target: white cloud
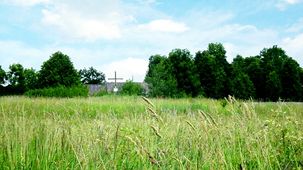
102,59
71,24
292,1
164,25
294,47
283,4
96,20
296,27
27,2
127,68
17,52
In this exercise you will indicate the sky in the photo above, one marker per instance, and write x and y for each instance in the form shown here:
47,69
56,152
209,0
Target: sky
121,35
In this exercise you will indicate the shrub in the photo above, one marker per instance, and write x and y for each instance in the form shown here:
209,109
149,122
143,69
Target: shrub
102,92
60,91
132,89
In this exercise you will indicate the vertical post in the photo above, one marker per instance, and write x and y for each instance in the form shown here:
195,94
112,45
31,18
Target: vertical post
115,79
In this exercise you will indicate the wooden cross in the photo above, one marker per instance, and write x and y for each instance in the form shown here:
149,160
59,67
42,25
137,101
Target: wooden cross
115,79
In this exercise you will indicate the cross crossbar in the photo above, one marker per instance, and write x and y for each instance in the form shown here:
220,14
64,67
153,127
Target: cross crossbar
115,78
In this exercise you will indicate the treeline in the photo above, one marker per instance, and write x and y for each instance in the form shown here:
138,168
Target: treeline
269,76
57,78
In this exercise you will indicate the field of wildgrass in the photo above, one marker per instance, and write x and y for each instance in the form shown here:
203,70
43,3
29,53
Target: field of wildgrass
113,132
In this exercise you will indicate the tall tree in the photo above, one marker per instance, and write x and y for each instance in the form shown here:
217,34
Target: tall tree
290,79
254,70
241,85
208,74
213,70
273,86
16,75
159,77
58,70
184,70
92,76
16,78
31,79
2,76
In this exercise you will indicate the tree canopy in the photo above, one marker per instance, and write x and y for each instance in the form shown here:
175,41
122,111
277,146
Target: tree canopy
58,71
91,76
271,75
159,77
2,76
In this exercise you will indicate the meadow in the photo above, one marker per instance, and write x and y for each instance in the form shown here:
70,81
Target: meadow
119,132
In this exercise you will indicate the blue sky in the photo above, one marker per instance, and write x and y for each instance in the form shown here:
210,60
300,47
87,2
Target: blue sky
122,34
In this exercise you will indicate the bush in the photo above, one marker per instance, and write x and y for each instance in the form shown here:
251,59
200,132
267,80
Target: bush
61,91
132,89
10,90
100,93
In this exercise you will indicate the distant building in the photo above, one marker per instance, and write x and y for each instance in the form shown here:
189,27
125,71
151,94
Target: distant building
109,87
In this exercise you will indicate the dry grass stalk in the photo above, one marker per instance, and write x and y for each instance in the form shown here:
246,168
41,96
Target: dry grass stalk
152,159
155,115
148,101
208,118
155,130
212,119
190,124
204,116
143,151
151,109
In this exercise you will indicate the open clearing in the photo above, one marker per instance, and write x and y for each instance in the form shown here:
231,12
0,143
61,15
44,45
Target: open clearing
115,132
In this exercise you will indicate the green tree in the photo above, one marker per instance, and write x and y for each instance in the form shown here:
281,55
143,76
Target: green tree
58,70
241,85
92,76
16,79
183,68
159,77
2,76
206,69
252,67
16,75
273,86
213,70
31,79
277,66
290,79
130,88
219,52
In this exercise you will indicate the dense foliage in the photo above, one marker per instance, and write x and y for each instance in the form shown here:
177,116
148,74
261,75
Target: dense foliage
91,76
2,76
271,75
57,78
131,88
58,71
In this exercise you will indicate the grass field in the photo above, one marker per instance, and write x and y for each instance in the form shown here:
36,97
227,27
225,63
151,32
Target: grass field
114,132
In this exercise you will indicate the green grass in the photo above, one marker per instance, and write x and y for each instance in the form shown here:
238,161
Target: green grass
113,132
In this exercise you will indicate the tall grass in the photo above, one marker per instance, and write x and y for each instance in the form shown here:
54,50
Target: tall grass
113,132
60,91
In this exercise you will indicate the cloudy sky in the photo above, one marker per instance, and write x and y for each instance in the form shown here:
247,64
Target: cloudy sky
122,34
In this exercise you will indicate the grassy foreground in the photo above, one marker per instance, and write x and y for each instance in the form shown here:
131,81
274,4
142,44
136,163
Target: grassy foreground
129,133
